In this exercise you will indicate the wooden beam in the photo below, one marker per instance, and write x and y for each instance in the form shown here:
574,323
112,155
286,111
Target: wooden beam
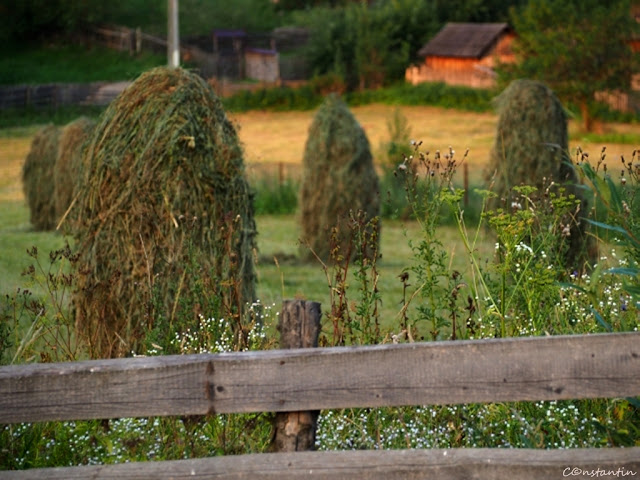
499,370
437,464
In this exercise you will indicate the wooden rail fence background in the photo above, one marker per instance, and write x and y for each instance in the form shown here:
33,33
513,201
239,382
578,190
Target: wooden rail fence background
310,379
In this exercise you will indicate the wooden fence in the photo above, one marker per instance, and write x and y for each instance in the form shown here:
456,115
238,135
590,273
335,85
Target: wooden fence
302,380
59,94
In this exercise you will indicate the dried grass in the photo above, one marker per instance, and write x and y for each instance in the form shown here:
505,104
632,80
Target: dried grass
37,178
164,188
338,177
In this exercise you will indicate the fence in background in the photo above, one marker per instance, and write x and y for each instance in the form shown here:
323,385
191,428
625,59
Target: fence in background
59,94
305,380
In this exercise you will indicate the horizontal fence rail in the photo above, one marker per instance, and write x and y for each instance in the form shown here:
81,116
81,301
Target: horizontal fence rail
436,464
496,370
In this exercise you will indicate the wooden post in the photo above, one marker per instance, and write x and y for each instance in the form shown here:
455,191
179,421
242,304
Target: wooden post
299,327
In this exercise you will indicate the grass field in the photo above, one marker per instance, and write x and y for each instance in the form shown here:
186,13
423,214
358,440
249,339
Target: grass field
275,142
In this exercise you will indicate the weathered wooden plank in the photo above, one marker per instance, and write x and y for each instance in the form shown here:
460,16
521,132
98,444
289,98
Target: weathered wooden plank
453,464
134,387
544,368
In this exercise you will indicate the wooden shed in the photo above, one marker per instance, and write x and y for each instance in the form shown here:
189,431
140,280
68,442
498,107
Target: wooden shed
464,54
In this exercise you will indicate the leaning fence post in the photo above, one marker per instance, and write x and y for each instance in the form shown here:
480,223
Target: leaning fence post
299,327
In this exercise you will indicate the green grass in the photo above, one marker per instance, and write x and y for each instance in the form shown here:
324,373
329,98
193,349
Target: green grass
16,236
72,64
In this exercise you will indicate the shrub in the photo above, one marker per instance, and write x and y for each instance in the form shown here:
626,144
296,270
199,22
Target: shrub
37,178
338,177
164,211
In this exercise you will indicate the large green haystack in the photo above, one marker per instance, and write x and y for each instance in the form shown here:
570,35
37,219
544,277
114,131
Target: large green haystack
68,162
37,178
532,148
164,208
531,141
338,178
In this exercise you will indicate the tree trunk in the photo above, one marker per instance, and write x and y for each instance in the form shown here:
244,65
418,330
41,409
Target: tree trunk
587,121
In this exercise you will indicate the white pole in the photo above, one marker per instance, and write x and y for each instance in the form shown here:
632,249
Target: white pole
173,40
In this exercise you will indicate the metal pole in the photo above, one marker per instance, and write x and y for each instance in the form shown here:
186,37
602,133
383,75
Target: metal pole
173,38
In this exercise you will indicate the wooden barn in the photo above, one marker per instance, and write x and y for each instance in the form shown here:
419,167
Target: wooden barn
464,54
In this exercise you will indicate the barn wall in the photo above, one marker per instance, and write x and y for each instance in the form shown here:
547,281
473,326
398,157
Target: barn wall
453,71
470,72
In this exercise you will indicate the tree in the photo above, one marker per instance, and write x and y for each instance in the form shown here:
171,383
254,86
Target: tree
576,47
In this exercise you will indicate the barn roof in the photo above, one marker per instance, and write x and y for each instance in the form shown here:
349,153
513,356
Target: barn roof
471,40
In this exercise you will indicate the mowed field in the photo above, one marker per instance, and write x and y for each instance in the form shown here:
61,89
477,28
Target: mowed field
273,138
274,142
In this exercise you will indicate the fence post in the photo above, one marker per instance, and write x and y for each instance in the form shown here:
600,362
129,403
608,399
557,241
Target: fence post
299,327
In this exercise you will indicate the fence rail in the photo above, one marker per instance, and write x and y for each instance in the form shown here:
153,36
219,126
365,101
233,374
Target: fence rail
59,94
495,370
436,464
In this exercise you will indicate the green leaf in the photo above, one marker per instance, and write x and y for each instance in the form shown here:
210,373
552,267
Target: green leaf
601,321
632,272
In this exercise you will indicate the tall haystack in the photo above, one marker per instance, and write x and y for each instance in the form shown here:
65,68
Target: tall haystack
37,177
532,141
164,204
68,162
338,177
532,148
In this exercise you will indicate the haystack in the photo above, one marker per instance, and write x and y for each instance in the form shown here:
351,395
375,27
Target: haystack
532,148
532,142
338,178
37,178
164,203
68,162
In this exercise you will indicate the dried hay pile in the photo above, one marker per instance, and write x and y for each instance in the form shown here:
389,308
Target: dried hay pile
69,162
37,178
338,178
532,140
164,203
532,148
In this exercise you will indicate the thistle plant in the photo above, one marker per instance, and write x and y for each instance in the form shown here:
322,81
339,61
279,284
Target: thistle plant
429,186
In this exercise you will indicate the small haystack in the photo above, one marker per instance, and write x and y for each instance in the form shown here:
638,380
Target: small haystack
37,178
68,162
164,208
338,178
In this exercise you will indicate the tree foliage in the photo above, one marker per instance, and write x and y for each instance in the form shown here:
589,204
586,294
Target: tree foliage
576,47
368,46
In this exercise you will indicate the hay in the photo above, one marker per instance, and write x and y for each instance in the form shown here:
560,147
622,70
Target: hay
532,148
338,177
164,202
68,162
532,142
37,178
